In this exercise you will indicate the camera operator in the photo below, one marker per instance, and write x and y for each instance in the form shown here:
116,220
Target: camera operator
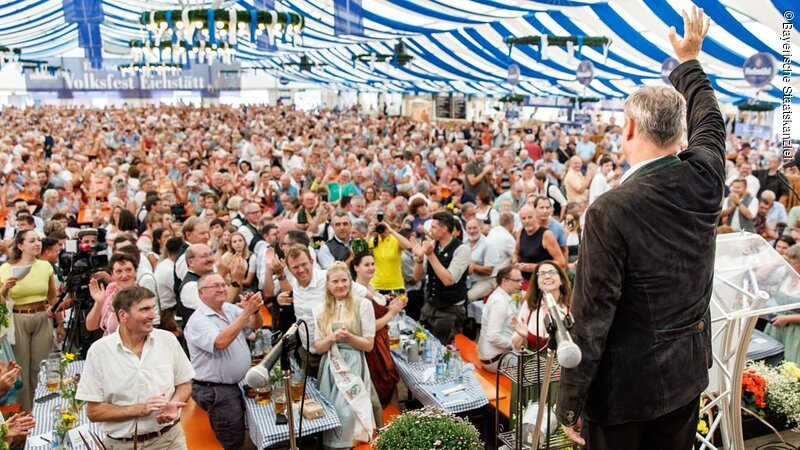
387,247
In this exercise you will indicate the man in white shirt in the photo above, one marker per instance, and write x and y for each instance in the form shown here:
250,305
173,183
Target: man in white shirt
480,278
302,293
501,244
497,334
165,282
137,379
739,209
746,172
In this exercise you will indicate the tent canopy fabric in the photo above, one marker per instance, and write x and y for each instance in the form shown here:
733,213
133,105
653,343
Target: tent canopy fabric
460,46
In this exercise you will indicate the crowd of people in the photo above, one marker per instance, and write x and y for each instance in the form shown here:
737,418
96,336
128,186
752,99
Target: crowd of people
342,219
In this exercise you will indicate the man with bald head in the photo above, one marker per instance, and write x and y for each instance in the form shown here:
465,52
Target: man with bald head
200,261
217,341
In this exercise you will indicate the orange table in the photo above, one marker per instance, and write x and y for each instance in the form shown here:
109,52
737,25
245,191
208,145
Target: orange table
86,216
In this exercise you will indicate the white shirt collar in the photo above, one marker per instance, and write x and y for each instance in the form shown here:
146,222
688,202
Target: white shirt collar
638,166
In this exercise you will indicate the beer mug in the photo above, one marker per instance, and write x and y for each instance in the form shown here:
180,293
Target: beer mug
49,368
394,334
412,351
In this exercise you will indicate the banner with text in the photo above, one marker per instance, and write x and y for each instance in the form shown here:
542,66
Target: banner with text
76,76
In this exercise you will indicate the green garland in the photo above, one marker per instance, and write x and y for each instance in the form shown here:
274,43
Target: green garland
581,100
513,98
757,106
558,41
402,58
149,66
4,49
222,15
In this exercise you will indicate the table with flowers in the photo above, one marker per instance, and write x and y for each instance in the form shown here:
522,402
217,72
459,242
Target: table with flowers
420,376
72,415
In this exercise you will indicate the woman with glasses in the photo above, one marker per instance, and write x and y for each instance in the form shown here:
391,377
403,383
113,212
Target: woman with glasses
529,323
497,334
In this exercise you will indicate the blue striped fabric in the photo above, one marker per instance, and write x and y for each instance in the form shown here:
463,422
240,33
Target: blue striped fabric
265,433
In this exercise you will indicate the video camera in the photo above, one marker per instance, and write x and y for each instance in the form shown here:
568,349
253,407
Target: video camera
77,262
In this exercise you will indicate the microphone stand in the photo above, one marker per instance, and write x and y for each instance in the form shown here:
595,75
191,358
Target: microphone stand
289,345
552,345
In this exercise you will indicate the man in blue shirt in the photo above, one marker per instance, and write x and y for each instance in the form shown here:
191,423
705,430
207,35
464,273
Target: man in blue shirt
216,337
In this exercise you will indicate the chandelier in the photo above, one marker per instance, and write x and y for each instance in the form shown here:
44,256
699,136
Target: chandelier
217,26
147,69
200,52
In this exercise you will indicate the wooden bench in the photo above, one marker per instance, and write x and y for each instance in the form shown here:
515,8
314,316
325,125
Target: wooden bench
488,380
266,316
199,435
389,413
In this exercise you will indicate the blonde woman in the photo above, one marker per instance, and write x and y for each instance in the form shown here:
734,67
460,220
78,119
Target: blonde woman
345,331
238,249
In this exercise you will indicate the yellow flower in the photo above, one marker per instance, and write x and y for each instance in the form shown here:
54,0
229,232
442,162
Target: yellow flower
702,427
791,369
69,357
420,335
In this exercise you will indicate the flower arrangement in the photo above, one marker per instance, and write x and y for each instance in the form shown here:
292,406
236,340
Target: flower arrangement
69,388
453,210
420,334
428,428
704,418
66,359
779,389
65,422
753,391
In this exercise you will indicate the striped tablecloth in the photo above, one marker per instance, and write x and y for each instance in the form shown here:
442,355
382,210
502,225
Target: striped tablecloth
44,413
265,433
417,376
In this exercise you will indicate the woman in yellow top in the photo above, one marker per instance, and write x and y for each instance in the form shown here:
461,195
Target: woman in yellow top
32,296
387,249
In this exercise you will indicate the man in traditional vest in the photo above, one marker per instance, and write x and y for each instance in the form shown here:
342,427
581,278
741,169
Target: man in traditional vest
338,248
445,261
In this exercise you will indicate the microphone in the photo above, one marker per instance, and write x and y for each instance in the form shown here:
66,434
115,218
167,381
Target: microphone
258,375
569,354
794,162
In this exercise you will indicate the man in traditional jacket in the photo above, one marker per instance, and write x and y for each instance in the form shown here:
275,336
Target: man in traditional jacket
644,279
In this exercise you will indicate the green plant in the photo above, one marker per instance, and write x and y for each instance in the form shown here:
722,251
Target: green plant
5,318
428,428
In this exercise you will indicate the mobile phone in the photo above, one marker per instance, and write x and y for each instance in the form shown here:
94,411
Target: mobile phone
380,216
323,197
47,397
291,294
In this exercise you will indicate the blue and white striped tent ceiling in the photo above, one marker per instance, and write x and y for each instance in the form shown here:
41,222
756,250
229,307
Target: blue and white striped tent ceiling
459,46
